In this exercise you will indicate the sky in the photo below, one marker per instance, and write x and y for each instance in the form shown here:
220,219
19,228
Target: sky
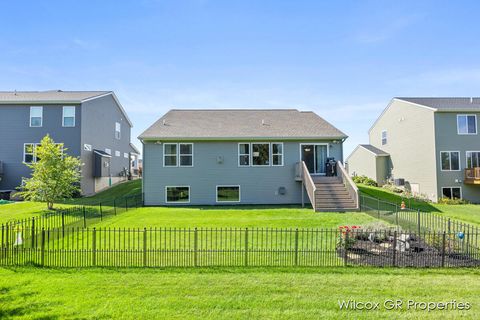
344,60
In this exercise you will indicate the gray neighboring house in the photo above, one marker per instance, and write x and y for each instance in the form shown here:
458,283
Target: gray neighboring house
431,143
209,157
91,124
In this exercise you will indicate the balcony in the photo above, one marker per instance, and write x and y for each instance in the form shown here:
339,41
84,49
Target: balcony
472,176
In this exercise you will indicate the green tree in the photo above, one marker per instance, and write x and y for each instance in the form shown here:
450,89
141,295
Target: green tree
55,175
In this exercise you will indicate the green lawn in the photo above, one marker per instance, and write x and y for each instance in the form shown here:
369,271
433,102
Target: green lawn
469,213
238,293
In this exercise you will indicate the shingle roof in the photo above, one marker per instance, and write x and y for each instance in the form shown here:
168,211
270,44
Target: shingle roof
375,150
447,104
54,96
134,149
241,123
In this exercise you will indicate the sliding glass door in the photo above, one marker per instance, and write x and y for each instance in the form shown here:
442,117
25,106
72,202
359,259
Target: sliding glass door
314,156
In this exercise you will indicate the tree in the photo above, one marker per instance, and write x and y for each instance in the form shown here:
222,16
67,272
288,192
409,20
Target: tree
55,175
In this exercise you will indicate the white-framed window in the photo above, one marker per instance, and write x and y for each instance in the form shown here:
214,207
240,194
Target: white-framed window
186,154
452,192
177,194
384,137
260,154
68,116
125,155
108,151
277,154
228,193
170,154
244,154
36,116
117,153
473,159
28,152
450,160
466,124
118,130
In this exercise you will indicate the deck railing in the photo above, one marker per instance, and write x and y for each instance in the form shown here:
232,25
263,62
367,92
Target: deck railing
349,184
308,183
472,174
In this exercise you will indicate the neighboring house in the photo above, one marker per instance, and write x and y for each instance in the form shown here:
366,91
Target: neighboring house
208,157
431,143
92,125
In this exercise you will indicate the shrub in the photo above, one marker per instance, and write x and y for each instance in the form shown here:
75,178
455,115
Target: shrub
391,187
452,201
347,236
364,180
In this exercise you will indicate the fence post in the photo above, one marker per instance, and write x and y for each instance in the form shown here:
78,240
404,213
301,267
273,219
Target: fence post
33,232
296,247
101,212
84,217
449,225
394,258
3,241
396,217
246,247
145,247
42,253
63,223
195,248
94,247
443,248
418,221
114,207
345,248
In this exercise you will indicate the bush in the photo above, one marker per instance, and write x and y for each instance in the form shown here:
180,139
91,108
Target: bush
391,187
452,201
364,180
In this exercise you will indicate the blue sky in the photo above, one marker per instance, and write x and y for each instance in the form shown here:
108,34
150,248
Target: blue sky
342,59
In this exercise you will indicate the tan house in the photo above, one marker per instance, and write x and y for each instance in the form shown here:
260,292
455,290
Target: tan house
430,146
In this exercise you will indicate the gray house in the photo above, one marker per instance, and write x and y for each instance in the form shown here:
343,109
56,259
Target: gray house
209,157
91,124
429,145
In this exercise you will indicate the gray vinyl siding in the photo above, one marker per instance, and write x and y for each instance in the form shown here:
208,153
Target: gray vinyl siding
382,169
362,163
447,139
258,185
15,130
98,130
410,143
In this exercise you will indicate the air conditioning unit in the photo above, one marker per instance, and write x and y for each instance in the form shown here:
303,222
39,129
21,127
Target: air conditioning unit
400,182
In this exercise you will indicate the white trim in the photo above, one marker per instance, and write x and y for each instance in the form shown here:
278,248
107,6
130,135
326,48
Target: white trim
277,154
362,146
467,134
74,116
225,185
41,117
33,153
118,153
466,157
459,187
269,154
314,144
170,154
450,159
244,154
166,197
186,154
108,151
239,138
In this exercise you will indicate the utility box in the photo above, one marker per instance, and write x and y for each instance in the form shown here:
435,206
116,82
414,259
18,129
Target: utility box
400,182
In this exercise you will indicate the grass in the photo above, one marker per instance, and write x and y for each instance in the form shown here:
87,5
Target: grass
237,293
469,213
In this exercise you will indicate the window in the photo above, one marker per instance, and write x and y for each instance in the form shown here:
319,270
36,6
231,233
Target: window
452,192
118,130
117,153
125,155
473,159
244,154
36,116
450,160
277,154
228,193
108,151
384,137
28,152
170,155
177,194
260,154
466,124
186,154
68,117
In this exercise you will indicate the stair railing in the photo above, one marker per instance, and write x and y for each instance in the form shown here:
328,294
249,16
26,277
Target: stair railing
349,184
308,183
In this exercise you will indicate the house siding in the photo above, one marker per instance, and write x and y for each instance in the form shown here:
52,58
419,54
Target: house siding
98,130
15,130
258,185
410,143
447,139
